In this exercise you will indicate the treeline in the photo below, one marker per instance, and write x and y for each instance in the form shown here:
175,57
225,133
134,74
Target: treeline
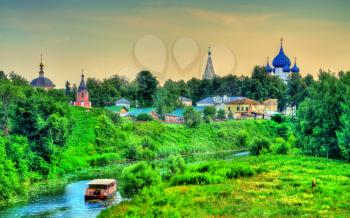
145,91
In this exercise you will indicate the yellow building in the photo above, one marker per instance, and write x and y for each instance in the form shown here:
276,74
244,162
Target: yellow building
244,106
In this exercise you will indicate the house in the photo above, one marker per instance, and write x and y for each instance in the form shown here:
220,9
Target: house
218,102
134,112
177,116
244,107
270,105
185,101
123,102
121,110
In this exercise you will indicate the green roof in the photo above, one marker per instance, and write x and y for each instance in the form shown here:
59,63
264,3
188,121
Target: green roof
180,111
115,109
134,112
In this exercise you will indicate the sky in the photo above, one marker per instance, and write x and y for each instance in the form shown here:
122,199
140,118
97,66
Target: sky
170,38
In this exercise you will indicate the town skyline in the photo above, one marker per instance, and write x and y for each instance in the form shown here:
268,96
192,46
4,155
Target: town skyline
116,38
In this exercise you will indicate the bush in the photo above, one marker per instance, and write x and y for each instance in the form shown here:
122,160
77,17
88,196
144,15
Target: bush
209,113
144,117
283,130
278,118
281,146
195,178
175,164
192,117
137,176
260,146
221,114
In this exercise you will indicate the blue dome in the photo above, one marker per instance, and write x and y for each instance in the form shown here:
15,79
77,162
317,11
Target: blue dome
286,69
281,59
295,68
268,68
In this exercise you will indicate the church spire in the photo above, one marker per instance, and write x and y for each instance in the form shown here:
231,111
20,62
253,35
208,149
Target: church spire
41,65
209,72
82,86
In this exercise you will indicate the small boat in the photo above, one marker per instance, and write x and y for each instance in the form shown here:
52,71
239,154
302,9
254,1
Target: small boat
101,189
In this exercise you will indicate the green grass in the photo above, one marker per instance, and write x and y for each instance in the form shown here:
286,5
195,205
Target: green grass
86,146
279,187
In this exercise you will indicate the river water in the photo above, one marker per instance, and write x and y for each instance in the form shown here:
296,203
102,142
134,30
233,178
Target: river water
68,201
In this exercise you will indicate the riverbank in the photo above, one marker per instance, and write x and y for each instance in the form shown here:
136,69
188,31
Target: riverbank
55,187
277,186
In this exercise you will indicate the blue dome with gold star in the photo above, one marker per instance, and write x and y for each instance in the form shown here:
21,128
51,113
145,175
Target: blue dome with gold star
281,60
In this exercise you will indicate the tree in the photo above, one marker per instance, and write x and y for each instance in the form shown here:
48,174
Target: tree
221,114
343,135
192,117
209,113
68,89
166,100
147,86
8,95
295,89
318,117
18,80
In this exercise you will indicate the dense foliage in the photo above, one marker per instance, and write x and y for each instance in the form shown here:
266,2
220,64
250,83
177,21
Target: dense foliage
322,118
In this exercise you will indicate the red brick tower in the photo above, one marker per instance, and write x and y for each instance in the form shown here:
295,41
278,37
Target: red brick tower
82,99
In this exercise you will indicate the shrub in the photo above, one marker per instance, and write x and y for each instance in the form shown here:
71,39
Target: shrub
278,118
260,146
175,164
221,114
192,117
144,117
209,113
283,130
137,176
281,146
195,178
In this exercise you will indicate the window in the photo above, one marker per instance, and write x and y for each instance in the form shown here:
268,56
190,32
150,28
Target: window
229,108
237,108
246,108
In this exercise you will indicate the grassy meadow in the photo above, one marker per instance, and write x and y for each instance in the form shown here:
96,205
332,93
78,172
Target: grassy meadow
264,186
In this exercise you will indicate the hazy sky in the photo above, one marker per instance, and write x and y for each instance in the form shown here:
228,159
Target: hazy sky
171,38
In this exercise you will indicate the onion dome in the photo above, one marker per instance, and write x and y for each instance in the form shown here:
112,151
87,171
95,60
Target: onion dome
286,69
268,68
295,68
281,59
82,86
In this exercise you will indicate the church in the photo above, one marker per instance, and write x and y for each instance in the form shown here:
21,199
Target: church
209,72
42,81
82,98
282,65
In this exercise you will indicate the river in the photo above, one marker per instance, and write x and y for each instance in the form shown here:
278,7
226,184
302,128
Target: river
68,200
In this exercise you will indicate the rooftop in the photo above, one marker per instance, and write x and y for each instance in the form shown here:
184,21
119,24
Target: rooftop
101,181
218,99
